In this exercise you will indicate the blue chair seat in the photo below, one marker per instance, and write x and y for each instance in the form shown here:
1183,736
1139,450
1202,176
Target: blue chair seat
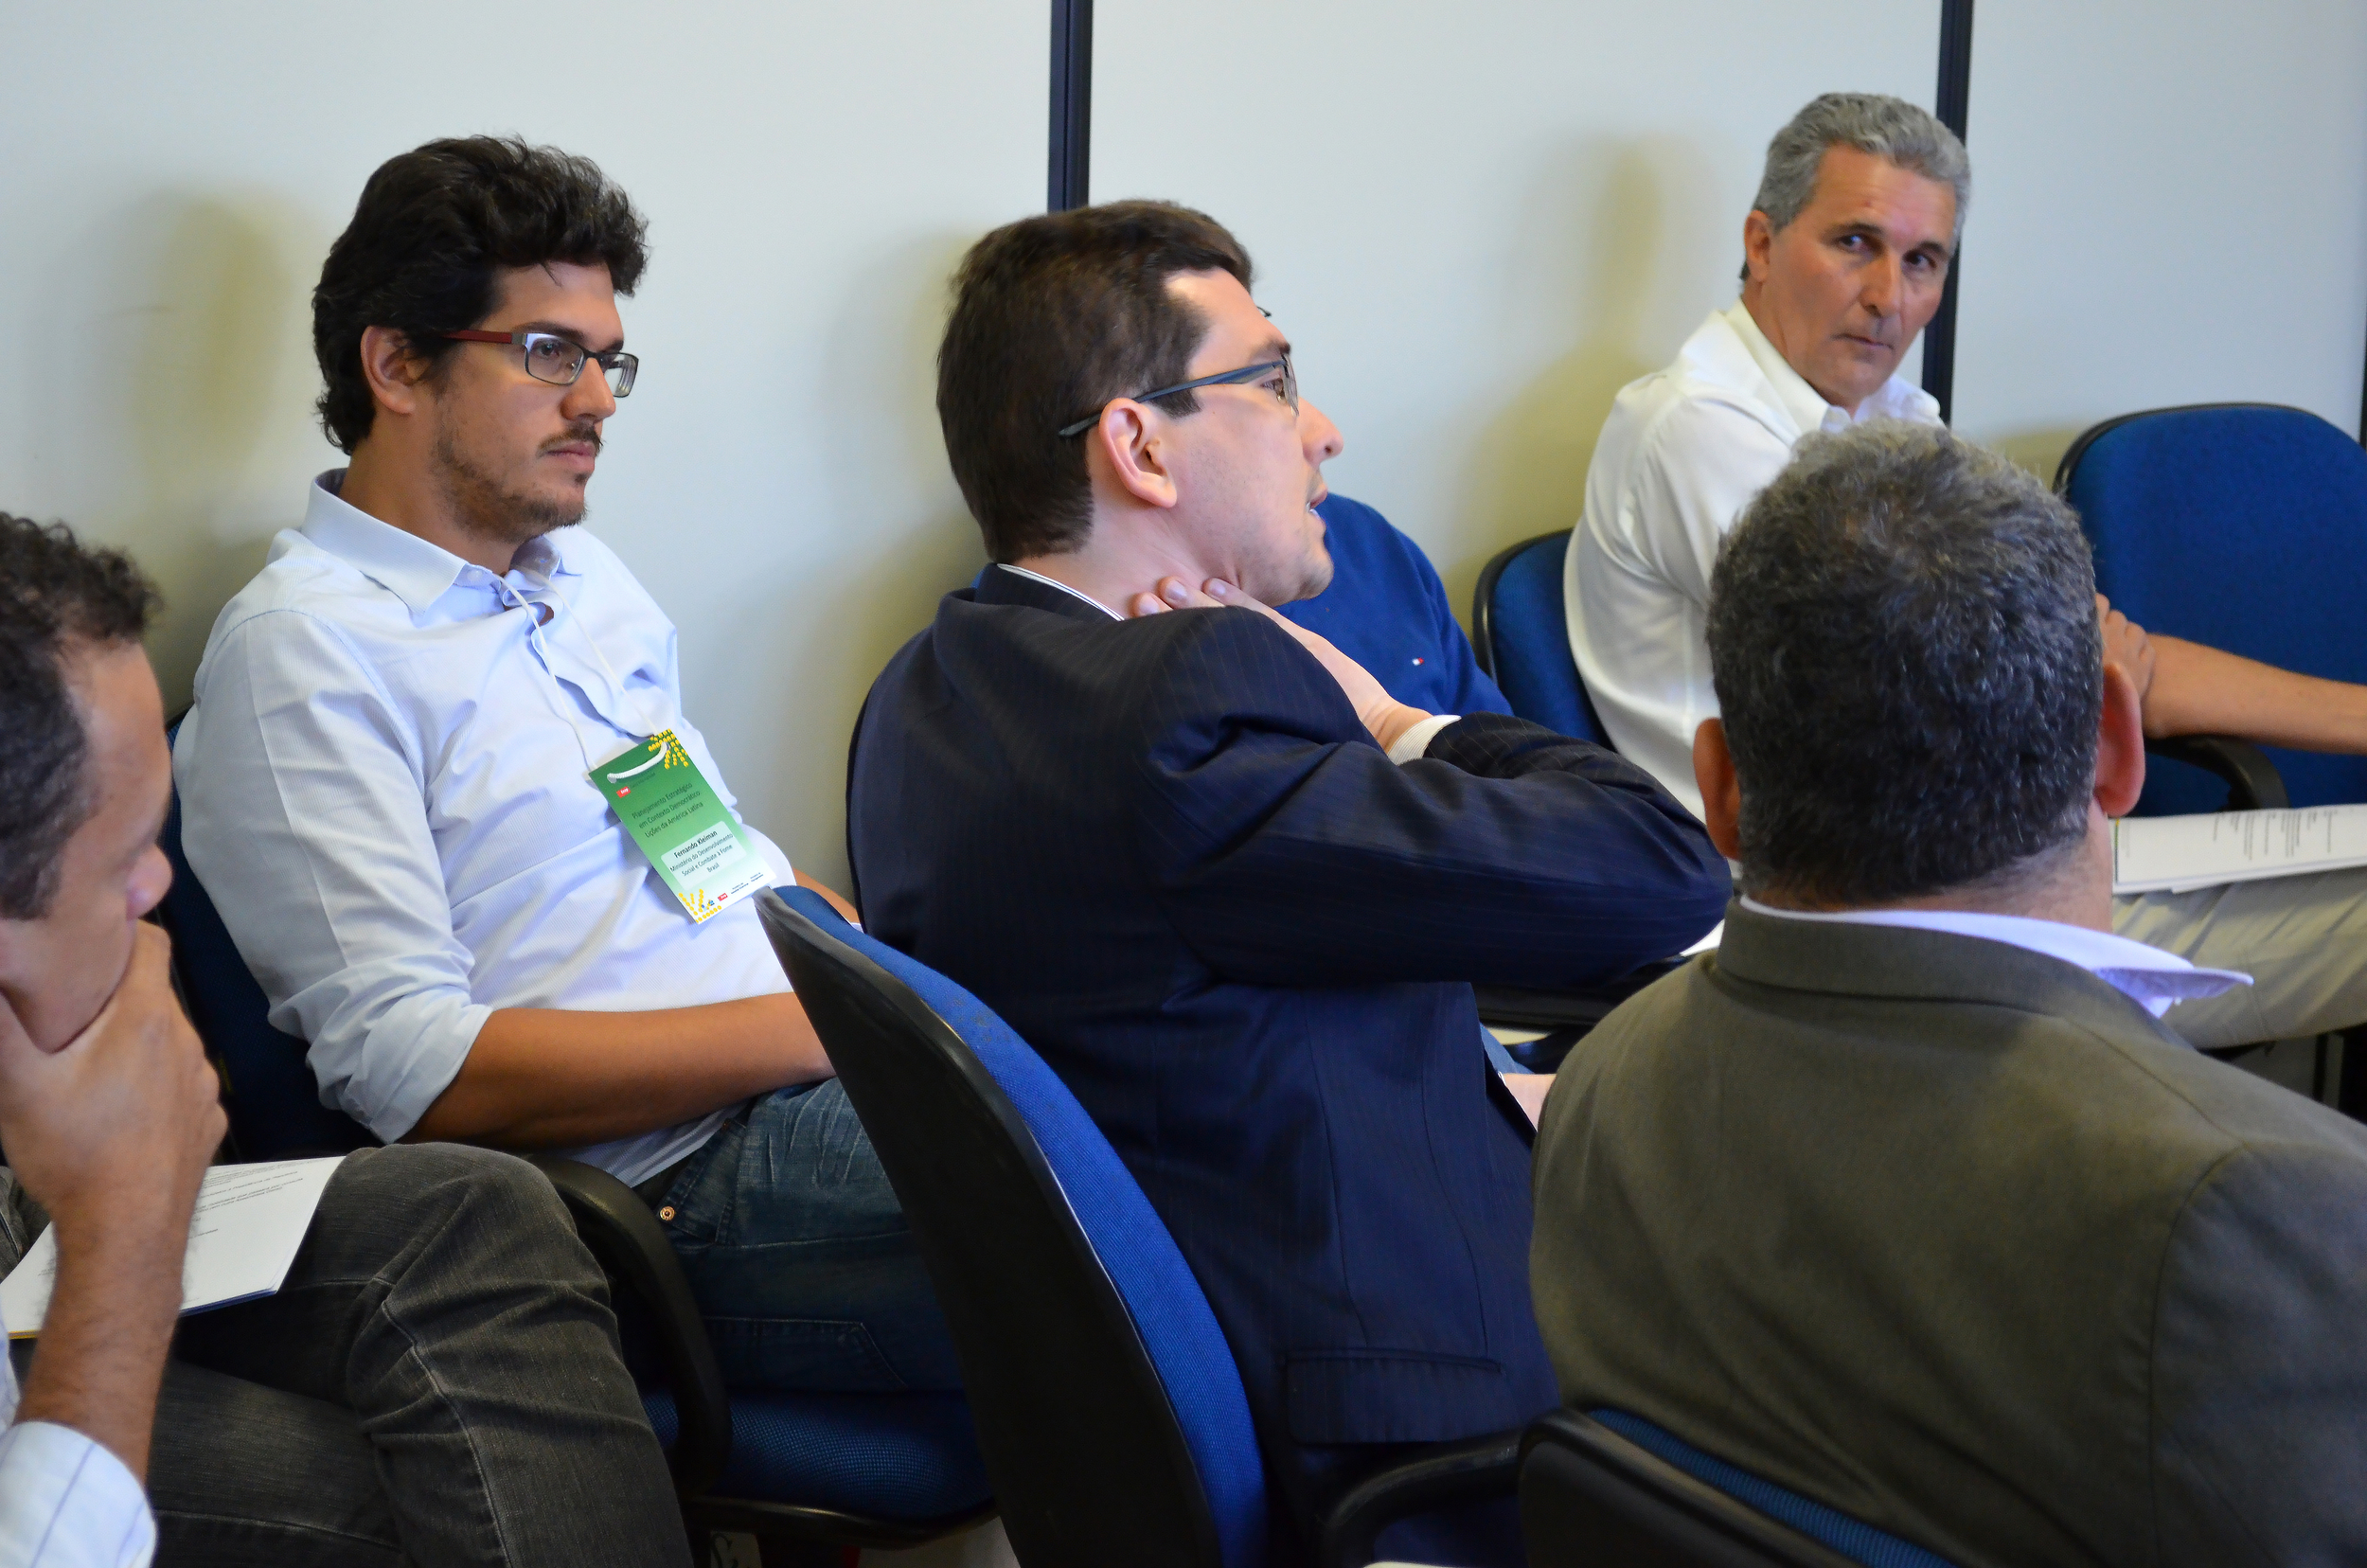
887,1455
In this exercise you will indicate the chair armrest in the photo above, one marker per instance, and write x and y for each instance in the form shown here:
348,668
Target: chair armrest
1472,1471
626,1239
2252,781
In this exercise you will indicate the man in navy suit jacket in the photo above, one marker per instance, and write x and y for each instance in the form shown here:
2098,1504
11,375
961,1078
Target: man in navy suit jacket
1230,890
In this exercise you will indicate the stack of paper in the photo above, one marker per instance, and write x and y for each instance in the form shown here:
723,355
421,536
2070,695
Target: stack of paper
2177,854
249,1222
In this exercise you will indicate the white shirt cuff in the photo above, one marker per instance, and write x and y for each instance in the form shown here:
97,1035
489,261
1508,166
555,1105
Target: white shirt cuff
67,1500
1414,742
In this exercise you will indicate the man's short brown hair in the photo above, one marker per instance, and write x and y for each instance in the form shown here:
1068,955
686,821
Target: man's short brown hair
1054,316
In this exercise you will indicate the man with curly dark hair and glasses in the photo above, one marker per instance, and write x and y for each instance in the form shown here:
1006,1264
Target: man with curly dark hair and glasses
385,784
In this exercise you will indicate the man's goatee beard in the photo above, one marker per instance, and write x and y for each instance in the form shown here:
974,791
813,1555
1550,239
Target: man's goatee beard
482,507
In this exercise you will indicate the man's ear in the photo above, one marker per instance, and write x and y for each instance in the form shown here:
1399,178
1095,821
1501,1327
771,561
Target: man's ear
393,371
1127,444
1721,792
2120,744
1758,239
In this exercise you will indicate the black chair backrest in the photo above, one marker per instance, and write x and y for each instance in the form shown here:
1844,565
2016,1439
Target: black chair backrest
1588,1496
1088,1459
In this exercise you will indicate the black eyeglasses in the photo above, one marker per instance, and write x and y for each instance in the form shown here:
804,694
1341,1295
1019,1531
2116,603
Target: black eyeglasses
1286,392
554,359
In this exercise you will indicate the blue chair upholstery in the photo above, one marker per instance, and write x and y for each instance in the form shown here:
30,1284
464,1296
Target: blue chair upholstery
902,1456
2243,526
889,1470
1858,1542
1522,634
1170,1313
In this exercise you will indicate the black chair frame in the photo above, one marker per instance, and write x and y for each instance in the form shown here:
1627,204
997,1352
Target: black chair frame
1589,1497
1084,1447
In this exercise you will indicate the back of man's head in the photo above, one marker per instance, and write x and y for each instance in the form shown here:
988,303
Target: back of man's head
1890,129
1054,316
435,228
1903,635
56,597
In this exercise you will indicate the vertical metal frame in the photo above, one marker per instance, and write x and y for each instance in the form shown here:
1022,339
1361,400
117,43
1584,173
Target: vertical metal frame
1939,338
1072,104
1071,150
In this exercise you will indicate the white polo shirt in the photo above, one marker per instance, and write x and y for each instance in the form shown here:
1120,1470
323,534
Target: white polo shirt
1683,452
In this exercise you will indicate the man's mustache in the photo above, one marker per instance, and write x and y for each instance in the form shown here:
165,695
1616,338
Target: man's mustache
586,434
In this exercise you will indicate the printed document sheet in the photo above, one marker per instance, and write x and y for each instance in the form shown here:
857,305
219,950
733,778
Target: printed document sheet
2177,854
249,1222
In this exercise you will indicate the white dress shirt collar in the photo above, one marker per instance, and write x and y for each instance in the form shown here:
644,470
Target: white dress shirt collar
2153,979
1896,399
1055,582
402,562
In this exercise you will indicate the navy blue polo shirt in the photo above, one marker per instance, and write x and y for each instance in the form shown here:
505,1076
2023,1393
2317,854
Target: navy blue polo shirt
1387,610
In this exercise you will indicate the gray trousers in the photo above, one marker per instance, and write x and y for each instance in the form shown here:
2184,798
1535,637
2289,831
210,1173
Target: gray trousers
438,1382
2303,940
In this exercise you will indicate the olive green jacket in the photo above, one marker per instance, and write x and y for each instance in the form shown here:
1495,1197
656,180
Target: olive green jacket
1956,1239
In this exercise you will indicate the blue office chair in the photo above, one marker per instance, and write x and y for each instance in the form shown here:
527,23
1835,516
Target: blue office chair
799,1472
2243,527
1108,1402
1613,1488
1520,635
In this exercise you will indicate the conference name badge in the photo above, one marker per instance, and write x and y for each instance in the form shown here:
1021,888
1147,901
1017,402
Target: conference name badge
673,814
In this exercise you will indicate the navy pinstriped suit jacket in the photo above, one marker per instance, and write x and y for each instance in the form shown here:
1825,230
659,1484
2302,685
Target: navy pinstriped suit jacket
1169,855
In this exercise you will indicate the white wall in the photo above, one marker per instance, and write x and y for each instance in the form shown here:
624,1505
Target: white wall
811,171
1478,223
2170,207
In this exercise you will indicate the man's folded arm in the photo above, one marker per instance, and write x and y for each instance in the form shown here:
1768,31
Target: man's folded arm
1290,852
303,816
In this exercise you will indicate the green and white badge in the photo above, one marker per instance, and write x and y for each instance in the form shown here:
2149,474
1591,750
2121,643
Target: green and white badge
673,814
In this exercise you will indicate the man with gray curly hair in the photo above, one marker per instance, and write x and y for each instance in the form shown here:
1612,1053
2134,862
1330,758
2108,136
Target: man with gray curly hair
1965,1243
1846,250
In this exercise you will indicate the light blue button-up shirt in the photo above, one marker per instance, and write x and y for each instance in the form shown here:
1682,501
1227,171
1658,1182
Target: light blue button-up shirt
383,790
65,1502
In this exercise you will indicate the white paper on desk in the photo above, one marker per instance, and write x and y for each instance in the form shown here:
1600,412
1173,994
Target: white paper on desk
249,1221
2178,855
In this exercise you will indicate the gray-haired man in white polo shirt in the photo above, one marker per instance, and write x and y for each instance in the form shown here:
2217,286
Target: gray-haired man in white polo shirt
1846,252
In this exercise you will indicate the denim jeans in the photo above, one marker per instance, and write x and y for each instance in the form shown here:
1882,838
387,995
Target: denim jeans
799,1255
437,1381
